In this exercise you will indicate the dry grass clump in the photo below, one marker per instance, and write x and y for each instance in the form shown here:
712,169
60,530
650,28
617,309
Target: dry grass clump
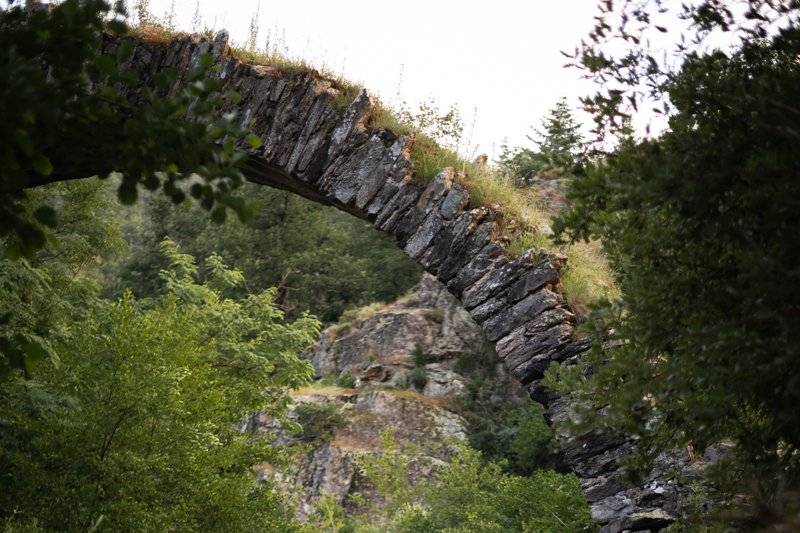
587,278
316,389
353,317
153,33
428,156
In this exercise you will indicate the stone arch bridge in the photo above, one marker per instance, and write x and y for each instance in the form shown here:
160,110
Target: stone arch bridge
332,154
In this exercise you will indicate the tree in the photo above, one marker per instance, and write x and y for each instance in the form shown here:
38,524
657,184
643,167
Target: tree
559,148
39,295
68,112
701,226
320,259
138,428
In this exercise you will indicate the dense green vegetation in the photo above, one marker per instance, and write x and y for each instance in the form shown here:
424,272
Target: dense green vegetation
701,226
132,420
318,258
469,494
559,151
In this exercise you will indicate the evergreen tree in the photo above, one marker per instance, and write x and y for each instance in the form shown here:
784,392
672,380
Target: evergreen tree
559,149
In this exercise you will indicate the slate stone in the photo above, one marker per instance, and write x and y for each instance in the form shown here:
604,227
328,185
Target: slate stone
519,313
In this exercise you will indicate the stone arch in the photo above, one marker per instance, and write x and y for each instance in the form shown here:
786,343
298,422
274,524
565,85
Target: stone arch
333,155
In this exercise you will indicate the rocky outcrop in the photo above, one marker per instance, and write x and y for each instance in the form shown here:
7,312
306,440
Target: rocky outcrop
329,466
427,323
426,331
333,154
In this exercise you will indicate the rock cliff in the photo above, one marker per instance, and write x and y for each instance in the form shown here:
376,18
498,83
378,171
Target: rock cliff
374,357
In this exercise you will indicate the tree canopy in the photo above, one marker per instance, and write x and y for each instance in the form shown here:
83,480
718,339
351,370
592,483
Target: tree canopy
71,111
700,224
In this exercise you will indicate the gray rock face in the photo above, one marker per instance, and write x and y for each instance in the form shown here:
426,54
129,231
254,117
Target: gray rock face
333,155
331,467
379,348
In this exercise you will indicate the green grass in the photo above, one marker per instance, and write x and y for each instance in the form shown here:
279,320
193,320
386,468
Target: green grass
428,157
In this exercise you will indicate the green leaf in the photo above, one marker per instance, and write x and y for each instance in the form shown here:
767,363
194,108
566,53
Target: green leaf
219,214
125,51
254,141
117,26
105,64
42,165
33,347
233,97
206,60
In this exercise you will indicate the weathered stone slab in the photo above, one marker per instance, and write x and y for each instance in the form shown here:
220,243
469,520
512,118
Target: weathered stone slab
494,281
489,257
519,313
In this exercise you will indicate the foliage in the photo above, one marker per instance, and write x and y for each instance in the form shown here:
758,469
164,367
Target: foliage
389,471
435,136
66,114
701,226
319,420
418,377
636,49
559,149
472,495
511,433
40,295
421,357
318,258
137,426
346,380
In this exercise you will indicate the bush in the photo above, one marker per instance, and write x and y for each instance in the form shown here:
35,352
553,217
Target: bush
346,380
470,494
418,378
421,357
319,420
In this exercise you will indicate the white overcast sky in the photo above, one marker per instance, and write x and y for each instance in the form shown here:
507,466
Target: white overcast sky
502,57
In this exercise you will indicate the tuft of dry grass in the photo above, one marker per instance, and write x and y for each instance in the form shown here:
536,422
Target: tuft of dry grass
428,156
587,278
353,317
153,33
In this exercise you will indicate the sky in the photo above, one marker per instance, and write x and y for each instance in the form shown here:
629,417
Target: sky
498,62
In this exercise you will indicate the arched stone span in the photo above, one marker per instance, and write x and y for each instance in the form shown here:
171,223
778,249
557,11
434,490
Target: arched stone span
334,156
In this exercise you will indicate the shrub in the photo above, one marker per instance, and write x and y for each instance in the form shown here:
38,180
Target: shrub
421,357
318,420
418,378
346,380
470,494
